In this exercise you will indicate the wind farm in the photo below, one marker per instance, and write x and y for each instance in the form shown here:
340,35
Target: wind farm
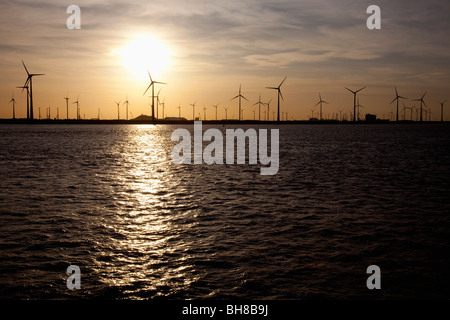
351,114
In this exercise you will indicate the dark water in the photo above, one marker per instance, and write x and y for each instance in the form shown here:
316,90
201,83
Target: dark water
109,200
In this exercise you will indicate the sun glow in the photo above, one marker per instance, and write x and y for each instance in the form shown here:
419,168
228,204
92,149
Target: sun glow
145,53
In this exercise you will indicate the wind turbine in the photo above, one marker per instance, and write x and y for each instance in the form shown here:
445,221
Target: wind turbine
118,110
163,105
226,113
14,106
354,101
179,111
204,113
279,95
152,84
259,103
442,110
193,110
268,109
215,106
239,96
397,97
78,108
421,103
320,102
30,80
28,100
127,102
157,104
359,106
67,104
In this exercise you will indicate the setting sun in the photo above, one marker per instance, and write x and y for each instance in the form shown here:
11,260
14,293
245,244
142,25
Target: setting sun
145,53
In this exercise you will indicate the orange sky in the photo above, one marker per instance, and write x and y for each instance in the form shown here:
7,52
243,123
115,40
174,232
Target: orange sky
204,50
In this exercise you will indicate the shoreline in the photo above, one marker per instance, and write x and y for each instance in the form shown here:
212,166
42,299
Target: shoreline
206,122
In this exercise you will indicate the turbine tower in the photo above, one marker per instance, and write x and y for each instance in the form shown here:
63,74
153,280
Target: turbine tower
359,106
279,95
397,97
118,110
152,84
320,102
14,106
78,108
442,110
126,102
268,109
259,103
30,80
215,106
67,104
354,101
179,111
239,96
28,100
421,104
193,110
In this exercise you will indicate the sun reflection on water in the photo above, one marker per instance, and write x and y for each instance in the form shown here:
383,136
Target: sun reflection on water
147,251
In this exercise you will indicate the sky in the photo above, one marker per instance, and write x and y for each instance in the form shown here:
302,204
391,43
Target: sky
204,50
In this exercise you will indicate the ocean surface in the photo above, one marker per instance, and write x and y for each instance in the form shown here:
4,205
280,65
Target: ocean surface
109,199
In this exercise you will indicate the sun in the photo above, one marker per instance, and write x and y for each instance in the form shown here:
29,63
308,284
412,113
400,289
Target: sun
145,53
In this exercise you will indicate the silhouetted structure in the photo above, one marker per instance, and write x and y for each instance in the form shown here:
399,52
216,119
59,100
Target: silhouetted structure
152,84
354,101
279,95
30,80
239,96
397,97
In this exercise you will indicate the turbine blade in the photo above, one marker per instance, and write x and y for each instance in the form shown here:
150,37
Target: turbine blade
393,100
147,89
282,82
272,88
279,91
424,94
350,90
360,89
25,68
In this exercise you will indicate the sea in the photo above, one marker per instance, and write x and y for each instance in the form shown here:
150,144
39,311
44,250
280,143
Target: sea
109,200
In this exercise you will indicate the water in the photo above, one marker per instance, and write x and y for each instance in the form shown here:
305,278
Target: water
109,200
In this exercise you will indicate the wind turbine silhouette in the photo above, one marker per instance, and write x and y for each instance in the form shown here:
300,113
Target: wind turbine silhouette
14,106
268,109
118,110
78,108
397,97
163,106
28,100
152,85
30,80
204,113
354,101
421,103
157,104
239,96
320,102
193,110
359,106
67,104
215,106
226,113
279,95
179,111
442,110
126,102
259,103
